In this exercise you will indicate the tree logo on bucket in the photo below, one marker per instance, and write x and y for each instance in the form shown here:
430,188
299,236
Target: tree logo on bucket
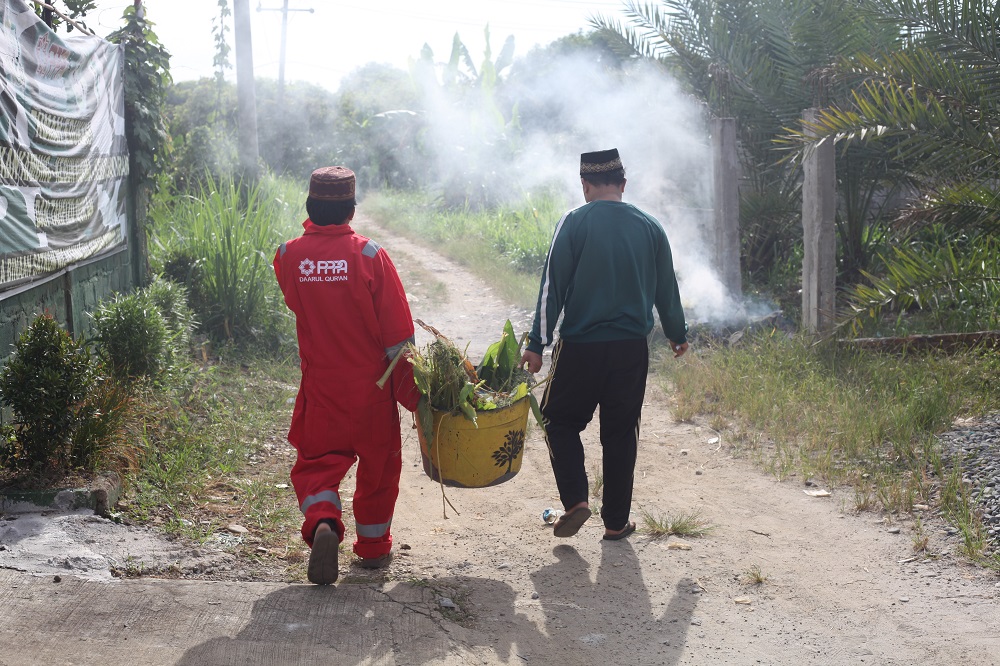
510,449
307,266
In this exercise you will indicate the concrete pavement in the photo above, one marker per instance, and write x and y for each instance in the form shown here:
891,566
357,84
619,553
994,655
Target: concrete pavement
82,622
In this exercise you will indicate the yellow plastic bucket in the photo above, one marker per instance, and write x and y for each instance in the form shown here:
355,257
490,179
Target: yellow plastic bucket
464,456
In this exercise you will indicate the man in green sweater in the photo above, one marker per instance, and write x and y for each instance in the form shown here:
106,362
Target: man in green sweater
608,266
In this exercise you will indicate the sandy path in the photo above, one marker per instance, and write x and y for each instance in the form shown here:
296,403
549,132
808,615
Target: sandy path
840,588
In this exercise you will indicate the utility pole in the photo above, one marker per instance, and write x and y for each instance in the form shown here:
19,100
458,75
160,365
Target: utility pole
245,91
284,37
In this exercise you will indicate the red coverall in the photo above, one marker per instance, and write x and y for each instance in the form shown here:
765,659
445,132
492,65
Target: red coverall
352,318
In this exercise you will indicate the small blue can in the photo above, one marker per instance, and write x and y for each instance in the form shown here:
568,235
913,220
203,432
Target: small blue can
550,516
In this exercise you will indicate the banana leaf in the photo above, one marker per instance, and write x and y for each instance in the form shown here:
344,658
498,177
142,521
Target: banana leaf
501,360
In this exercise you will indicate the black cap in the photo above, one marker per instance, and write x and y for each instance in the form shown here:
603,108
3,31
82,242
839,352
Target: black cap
602,161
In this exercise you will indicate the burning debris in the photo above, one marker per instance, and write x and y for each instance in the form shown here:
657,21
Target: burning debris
736,330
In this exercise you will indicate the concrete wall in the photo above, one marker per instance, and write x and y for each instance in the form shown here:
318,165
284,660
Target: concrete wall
68,295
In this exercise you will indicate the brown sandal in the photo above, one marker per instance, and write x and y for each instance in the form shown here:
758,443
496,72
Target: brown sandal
617,536
570,523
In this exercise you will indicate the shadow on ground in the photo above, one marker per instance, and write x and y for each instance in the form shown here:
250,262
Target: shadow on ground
463,619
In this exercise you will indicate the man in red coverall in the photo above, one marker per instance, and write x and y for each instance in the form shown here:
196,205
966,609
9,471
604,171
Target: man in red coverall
352,319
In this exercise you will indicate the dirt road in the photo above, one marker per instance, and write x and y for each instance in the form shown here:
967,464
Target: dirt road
489,584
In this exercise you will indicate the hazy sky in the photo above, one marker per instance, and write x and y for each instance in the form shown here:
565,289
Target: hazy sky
341,35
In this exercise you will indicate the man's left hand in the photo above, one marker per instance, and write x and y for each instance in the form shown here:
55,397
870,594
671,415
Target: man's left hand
679,349
533,361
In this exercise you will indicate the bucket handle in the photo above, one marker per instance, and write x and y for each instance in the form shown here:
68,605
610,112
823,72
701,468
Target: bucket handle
444,498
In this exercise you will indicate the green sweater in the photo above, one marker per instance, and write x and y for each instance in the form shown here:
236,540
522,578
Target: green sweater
608,265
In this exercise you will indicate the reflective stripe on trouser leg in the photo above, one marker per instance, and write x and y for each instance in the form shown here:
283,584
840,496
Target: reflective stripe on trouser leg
373,531
317,485
375,496
324,496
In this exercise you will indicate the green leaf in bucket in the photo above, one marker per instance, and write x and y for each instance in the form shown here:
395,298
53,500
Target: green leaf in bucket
519,392
425,418
536,410
465,405
484,403
501,360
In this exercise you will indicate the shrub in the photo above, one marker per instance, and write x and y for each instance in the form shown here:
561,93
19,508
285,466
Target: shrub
171,299
104,436
45,383
132,336
181,267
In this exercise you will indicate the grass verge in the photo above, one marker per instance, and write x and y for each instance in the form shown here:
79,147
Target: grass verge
860,419
213,459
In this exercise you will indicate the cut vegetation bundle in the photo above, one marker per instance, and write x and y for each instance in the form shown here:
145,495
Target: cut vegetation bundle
472,419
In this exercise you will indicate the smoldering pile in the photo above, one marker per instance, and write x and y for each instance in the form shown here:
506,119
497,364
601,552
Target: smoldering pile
743,327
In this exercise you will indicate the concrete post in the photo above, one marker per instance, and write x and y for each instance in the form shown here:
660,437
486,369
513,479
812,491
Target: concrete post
819,209
727,205
245,90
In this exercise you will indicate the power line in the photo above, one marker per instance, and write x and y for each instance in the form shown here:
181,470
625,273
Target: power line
284,36
452,19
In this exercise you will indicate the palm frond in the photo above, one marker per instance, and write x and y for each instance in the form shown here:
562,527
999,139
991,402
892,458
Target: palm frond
963,205
965,29
937,279
932,137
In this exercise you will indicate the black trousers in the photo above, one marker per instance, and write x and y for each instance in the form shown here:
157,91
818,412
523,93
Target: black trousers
585,375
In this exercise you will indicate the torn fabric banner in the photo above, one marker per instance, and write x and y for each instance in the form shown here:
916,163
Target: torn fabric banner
63,153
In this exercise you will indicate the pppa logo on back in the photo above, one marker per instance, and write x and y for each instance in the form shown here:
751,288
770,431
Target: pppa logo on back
325,270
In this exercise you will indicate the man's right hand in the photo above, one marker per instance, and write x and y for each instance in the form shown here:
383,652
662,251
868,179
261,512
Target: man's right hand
679,349
533,361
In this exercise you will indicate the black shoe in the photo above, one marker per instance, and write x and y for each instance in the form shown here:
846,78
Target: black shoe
323,565
380,562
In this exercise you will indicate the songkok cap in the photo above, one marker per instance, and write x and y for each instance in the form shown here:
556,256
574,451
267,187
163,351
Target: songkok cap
333,183
602,161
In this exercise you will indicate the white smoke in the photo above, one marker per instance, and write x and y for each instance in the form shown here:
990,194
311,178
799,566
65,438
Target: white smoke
660,132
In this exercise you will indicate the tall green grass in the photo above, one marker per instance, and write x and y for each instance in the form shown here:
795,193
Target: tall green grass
842,416
220,242
506,245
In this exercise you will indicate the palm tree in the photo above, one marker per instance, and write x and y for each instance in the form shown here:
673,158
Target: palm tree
936,101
